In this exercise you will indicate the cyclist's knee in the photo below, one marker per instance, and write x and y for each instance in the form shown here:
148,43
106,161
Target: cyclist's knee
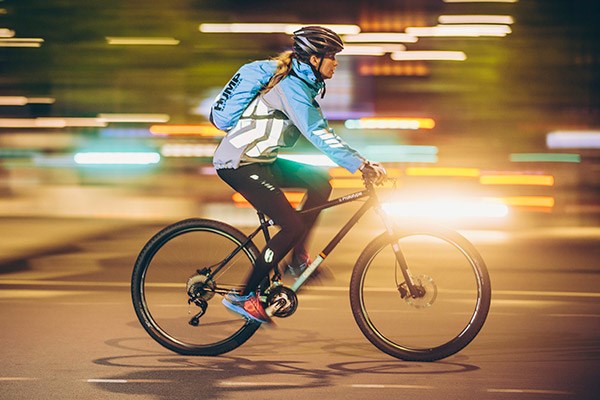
294,227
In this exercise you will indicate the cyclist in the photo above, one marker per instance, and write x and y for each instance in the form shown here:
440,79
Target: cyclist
246,158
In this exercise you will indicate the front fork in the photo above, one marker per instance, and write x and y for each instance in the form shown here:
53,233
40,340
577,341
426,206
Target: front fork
413,289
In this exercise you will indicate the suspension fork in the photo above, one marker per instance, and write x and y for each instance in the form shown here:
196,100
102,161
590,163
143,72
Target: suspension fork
390,228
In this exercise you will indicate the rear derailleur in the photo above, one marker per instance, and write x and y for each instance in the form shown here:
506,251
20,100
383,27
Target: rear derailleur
200,289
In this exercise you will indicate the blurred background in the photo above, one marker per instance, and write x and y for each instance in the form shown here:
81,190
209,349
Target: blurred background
486,112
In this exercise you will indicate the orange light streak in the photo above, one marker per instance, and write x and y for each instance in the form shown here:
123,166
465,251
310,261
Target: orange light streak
204,130
527,201
443,171
295,198
534,180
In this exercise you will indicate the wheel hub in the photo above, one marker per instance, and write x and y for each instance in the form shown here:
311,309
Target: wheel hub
427,292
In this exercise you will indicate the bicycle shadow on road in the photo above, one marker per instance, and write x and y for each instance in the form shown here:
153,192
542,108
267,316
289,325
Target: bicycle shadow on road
169,376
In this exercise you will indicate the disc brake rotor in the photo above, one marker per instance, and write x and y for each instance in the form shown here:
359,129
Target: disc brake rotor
427,285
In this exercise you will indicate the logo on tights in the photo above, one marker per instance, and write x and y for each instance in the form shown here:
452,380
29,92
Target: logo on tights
268,255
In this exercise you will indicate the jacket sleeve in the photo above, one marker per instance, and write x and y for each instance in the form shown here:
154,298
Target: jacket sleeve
298,106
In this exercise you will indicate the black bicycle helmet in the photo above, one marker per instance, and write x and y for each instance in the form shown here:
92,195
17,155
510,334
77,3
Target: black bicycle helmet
316,40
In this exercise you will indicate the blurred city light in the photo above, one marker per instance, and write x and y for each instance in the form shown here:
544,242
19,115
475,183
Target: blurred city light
544,203
142,41
476,19
6,33
21,42
402,153
446,208
443,171
366,50
204,130
22,100
545,157
116,158
50,122
480,1
294,197
371,49
134,118
573,140
409,68
319,160
287,28
380,37
390,123
188,150
466,30
429,55
517,179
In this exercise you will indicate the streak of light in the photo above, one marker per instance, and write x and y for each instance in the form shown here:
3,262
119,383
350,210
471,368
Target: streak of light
380,37
476,19
573,140
6,33
545,157
480,1
116,158
534,180
463,30
204,130
22,100
402,153
134,118
188,150
319,160
287,28
429,55
50,122
295,198
362,51
21,42
527,201
447,208
371,50
390,123
142,41
443,171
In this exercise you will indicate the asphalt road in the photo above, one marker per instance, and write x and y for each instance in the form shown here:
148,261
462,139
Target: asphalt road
69,330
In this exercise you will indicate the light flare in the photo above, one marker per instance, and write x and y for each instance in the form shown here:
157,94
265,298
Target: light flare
446,209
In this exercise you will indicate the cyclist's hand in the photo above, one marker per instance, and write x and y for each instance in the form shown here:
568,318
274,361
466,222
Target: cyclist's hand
373,172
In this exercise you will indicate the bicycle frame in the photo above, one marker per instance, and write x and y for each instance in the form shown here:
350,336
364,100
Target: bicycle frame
372,202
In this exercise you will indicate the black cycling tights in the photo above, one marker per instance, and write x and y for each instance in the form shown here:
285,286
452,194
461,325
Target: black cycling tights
261,185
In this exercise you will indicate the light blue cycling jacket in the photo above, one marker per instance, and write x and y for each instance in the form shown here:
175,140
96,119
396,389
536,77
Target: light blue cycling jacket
277,119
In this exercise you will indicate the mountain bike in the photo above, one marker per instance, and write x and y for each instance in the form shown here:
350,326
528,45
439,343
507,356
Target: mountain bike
417,293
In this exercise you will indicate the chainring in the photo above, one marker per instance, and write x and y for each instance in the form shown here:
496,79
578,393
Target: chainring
287,299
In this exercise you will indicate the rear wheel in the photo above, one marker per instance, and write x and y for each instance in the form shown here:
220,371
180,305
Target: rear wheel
175,278
447,313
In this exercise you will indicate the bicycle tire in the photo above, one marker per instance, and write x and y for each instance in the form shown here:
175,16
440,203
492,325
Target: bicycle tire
174,240
390,343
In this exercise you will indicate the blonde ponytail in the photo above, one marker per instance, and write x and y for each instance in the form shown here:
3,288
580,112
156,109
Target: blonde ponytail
284,66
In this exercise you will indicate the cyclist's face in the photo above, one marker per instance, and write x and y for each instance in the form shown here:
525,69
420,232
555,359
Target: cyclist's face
327,67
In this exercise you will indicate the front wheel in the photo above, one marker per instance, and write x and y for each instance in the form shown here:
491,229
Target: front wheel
438,319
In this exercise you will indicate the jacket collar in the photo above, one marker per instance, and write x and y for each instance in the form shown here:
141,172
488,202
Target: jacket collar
305,72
